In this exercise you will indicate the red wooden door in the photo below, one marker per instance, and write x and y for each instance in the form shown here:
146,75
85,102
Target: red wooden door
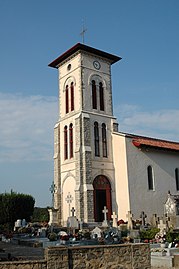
102,197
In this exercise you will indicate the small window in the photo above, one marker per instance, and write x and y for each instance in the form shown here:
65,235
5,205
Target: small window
69,67
72,96
71,140
94,96
177,178
104,140
67,99
150,178
65,142
96,139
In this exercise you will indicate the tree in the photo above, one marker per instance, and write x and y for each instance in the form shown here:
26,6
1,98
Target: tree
15,206
40,214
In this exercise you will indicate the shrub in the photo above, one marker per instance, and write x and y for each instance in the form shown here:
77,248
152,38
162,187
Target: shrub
149,233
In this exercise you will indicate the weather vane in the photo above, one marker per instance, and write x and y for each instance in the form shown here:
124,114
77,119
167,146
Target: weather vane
83,33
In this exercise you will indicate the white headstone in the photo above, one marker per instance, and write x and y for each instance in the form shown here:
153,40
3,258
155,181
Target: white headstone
72,222
24,223
129,222
114,218
105,223
96,232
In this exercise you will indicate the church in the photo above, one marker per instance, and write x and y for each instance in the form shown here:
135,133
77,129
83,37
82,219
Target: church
95,164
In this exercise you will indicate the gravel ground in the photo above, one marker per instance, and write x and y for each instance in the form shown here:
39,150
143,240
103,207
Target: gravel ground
22,252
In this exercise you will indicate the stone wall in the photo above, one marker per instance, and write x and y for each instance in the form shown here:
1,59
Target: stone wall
24,265
125,256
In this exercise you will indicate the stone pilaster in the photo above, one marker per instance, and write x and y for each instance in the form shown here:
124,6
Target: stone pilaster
79,169
57,171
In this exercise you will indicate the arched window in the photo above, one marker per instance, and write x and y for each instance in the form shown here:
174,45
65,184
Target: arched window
104,140
72,96
150,177
177,178
96,139
101,96
67,99
94,96
65,142
71,140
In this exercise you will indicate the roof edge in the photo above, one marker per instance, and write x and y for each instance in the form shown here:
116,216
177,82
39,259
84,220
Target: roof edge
86,48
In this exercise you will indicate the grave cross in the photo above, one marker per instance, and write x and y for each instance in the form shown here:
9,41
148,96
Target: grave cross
114,218
167,218
73,211
69,200
129,223
155,220
105,211
143,217
162,226
81,224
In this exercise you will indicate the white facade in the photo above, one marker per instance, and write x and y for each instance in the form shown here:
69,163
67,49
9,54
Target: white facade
94,164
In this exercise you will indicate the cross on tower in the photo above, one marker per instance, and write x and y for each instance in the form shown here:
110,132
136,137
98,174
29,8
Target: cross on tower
83,33
69,200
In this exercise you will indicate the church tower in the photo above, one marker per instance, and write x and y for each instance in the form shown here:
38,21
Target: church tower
83,160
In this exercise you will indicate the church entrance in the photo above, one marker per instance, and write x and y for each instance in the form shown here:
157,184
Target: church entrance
102,197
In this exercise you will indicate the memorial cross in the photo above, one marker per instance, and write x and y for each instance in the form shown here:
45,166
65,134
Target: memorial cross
143,217
105,211
162,226
69,200
129,223
73,211
114,218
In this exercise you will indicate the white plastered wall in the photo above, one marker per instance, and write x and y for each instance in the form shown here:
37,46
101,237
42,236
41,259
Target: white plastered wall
164,164
121,175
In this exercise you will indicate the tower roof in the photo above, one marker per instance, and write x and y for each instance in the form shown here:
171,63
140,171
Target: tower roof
82,47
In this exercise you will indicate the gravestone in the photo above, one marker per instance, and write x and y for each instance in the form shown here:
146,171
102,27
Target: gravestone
105,223
42,232
171,209
52,216
162,226
143,217
129,222
80,224
155,220
24,223
96,233
18,224
72,221
114,218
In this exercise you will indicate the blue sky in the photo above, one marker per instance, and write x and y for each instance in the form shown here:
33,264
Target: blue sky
145,82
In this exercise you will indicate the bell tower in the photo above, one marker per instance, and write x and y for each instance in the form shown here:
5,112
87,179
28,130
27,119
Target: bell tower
82,135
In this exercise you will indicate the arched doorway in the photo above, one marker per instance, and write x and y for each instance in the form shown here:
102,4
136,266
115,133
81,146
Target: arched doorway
102,197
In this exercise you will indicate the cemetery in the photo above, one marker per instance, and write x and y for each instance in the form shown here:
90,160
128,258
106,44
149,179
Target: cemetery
134,243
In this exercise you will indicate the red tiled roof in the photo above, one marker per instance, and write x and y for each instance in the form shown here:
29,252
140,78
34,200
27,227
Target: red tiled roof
83,47
155,143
